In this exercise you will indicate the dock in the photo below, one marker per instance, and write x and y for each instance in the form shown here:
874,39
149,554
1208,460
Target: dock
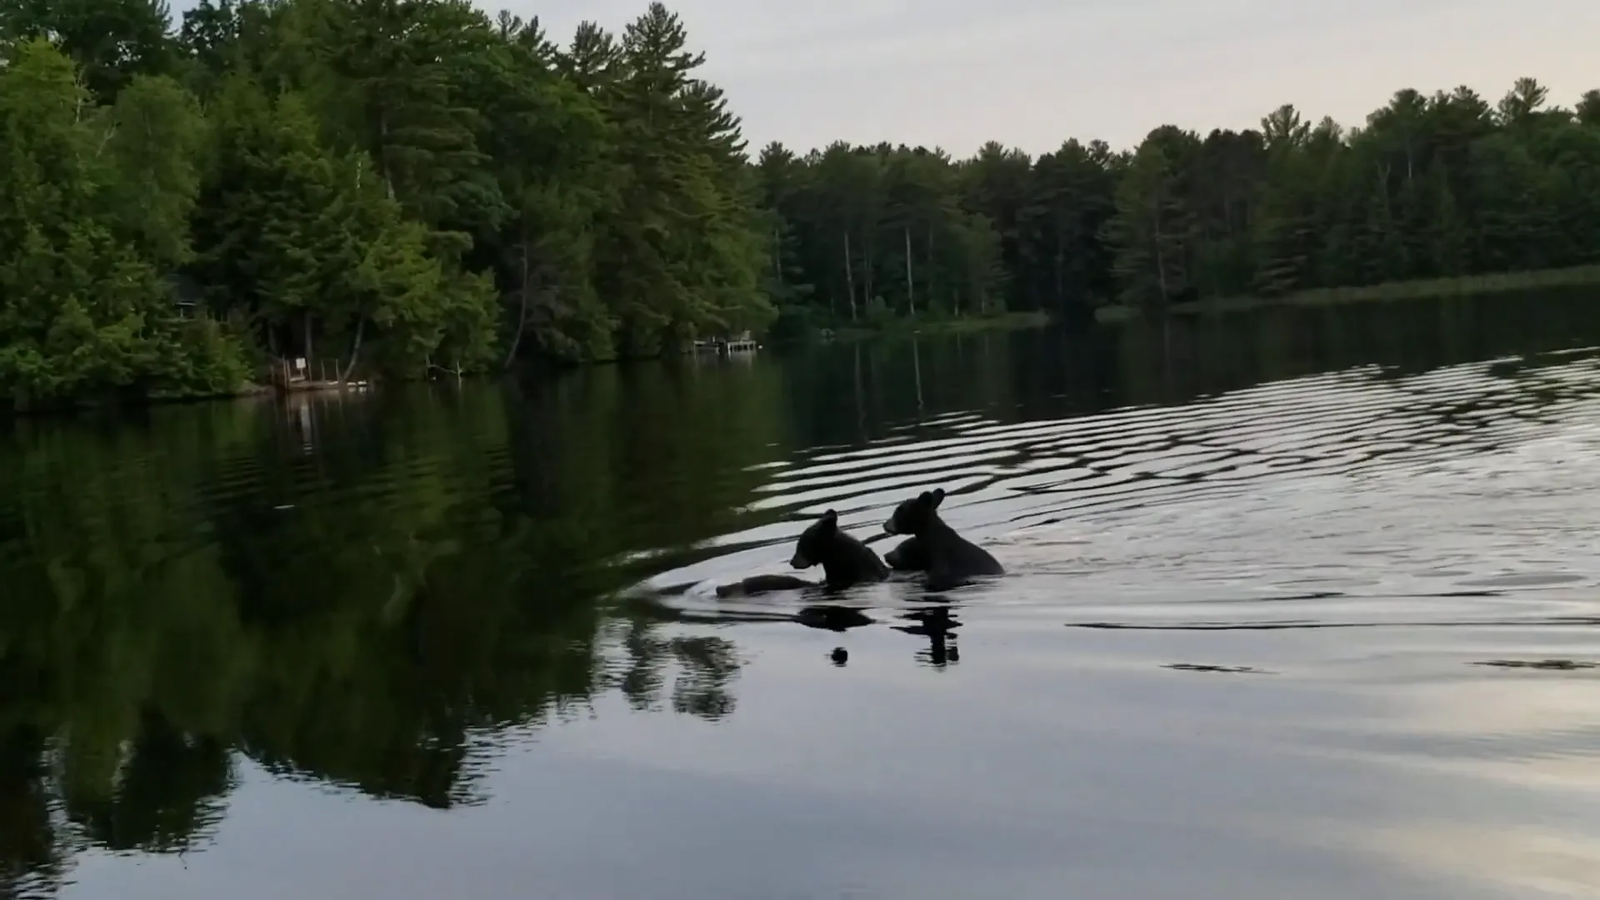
742,343
306,385
295,377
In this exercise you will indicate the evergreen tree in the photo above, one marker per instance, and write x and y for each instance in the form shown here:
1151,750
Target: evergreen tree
402,187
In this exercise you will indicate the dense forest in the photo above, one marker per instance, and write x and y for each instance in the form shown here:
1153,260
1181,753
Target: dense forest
408,186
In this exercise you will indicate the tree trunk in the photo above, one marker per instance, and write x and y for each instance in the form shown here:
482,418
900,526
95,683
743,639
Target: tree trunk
777,258
849,275
1061,265
1161,257
383,162
355,351
911,297
1161,269
866,276
522,311
305,319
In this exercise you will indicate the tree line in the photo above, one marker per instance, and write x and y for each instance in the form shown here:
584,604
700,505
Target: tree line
414,186
402,185
1436,186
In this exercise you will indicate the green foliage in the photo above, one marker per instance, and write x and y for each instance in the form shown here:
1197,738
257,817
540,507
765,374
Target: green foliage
1430,187
409,186
111,41
86,307
401,186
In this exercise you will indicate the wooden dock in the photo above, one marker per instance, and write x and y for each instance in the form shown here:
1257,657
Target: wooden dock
294,377
728,346
304,385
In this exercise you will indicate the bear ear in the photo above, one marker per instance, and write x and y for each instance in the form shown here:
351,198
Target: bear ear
830,518
938,496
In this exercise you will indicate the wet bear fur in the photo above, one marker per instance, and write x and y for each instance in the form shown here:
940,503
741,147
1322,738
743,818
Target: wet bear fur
907,556
845,562
951,559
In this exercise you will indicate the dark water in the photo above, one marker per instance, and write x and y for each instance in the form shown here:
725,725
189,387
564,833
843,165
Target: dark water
1284,588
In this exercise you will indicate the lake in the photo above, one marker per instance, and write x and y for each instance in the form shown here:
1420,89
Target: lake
1302,603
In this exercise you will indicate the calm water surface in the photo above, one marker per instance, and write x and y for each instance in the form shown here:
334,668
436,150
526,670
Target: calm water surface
1302,604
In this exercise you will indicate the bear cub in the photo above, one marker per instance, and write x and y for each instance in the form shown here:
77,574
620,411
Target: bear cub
950,558
908,556
845,561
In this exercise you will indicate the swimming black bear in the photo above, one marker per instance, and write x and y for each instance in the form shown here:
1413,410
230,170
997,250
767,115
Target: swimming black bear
845,561
908,556
951,559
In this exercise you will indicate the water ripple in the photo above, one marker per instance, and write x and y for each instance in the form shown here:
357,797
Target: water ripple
1375,486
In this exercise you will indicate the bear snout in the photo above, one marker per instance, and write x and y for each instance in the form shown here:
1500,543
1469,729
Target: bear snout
800,562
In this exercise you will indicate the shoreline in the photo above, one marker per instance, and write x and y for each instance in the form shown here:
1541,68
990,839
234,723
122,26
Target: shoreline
1117,314
1007,321
894,329
248,391
1464,286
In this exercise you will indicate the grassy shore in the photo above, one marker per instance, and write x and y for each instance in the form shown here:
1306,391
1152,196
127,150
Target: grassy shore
945,325
1467,286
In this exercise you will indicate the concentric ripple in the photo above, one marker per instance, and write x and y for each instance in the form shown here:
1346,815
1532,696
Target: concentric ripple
1351,498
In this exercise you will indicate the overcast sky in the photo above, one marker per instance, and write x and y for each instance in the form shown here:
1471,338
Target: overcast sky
1031,73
